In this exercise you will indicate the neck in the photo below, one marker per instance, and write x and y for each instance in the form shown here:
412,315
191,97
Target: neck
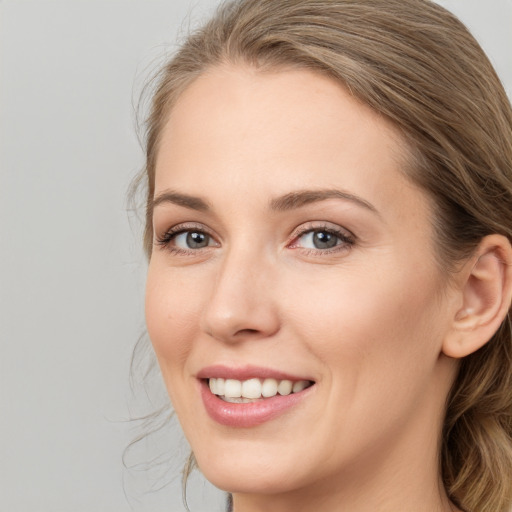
372,493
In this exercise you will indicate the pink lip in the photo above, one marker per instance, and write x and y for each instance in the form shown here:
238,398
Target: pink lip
245,372
248,414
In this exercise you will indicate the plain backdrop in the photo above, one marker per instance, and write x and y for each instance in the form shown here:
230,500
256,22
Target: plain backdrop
71,267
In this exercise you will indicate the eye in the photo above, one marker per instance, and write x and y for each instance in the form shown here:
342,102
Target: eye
192,240
319,240
322,239
185,239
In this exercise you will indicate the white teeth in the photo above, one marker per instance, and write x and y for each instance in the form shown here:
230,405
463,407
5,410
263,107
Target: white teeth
285,387
299,386
269,388
240,400
221,386
237,391
251,388
232,388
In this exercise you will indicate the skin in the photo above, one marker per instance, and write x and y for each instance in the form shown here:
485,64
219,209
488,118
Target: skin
365,320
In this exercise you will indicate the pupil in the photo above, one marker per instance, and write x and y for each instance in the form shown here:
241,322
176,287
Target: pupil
197,240
324,240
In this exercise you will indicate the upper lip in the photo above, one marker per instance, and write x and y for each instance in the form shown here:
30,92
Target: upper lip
245,372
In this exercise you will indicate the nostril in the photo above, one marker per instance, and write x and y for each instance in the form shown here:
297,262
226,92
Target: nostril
236,321
242,334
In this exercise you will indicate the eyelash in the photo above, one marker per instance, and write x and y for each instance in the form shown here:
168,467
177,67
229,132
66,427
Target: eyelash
165,240
346,239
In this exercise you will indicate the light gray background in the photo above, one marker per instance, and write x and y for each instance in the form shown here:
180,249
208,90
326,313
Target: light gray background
71,269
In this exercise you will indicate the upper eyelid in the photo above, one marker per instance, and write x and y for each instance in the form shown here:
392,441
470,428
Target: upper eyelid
323,225
187,226
300,230
168,235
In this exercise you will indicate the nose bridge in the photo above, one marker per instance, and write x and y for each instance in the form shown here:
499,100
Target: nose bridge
241,301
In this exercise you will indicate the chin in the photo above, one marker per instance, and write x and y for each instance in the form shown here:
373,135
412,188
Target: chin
249,474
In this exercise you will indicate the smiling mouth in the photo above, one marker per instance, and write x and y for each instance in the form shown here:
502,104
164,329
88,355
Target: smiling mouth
252,390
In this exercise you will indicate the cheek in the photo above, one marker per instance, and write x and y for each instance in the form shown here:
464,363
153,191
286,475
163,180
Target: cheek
382,318
374,336
172,312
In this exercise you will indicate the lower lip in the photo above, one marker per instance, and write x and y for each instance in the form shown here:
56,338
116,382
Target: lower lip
248,414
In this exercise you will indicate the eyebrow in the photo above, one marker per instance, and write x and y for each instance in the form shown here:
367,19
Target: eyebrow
302,198
290,201
185,200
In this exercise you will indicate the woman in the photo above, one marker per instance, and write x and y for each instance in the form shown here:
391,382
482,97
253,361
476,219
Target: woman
329,188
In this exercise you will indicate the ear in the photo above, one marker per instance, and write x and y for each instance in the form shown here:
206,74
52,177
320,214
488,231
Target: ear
485,293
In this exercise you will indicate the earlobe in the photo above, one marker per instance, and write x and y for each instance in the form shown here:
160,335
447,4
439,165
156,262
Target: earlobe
486,293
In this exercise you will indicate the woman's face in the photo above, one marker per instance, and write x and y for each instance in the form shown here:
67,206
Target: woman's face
291,250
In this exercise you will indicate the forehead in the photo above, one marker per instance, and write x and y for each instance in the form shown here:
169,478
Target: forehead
244,102
260,130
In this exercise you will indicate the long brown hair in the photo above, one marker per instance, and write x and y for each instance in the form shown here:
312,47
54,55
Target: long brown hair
416,64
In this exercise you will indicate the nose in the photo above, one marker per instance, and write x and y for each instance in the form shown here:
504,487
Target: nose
241,305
